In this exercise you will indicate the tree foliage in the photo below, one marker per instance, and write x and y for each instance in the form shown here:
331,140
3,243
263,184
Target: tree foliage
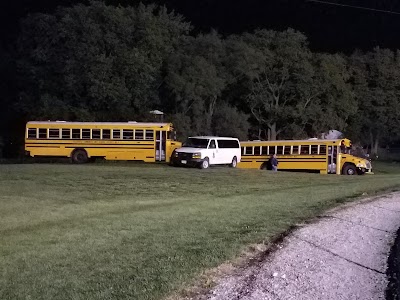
95,62
290,89
377,88
197,77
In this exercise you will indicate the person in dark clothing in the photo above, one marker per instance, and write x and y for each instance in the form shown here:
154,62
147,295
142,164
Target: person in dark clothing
274,163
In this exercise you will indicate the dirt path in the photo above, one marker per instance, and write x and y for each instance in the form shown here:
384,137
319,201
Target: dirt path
342,256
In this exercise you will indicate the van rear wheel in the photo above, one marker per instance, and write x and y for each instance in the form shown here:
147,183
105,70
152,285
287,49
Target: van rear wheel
234,162
205,163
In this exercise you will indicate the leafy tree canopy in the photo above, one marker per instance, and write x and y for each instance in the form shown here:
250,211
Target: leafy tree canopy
376,84
95,62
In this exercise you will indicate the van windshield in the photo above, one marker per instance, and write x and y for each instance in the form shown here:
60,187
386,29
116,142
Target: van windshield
196,143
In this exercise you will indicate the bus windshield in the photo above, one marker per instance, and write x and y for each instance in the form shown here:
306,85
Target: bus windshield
196,143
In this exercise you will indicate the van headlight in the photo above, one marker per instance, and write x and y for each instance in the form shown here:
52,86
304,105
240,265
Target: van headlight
196,155
176,154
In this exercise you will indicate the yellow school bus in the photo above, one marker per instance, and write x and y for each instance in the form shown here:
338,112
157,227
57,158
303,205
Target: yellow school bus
83,141
323,156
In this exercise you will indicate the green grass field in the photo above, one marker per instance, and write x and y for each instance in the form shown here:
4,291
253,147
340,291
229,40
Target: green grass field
140,231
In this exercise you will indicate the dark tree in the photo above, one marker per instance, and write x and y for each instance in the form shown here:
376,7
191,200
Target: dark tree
376,83
95,62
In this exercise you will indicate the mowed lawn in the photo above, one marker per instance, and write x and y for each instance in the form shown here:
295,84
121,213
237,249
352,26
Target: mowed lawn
140,231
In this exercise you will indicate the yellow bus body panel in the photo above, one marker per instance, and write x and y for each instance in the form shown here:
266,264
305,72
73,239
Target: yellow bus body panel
110,149
296,161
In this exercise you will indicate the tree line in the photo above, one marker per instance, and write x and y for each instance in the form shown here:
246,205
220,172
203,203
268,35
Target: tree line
100,62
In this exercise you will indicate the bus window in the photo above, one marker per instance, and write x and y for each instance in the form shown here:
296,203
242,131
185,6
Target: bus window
314,149
139,134
304,149
342,147
243,150
106,134
286,150
248,151
264,150
149,134
42,133
66,133
257,150
96,134
279,150
85,134
31,133
295,150
272,150
322,149
116,134
76,134
127,134
54,133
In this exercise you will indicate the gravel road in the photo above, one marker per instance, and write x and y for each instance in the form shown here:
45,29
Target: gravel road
343,255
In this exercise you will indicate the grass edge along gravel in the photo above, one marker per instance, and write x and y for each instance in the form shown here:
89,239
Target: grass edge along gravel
199,287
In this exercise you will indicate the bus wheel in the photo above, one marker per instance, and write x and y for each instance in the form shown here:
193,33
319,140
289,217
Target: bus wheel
264,166
205,163
79,156
234,162
349,170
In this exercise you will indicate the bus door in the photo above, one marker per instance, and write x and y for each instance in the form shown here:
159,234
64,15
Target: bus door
161,138
332,159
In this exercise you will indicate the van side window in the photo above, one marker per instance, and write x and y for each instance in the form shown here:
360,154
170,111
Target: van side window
212,145
228,144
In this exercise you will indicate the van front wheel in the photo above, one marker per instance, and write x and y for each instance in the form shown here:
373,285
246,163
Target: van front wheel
234,162
205,163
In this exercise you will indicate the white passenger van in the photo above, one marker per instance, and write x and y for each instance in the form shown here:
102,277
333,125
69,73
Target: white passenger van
203,151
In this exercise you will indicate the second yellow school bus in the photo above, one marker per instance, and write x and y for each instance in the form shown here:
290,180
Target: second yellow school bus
81,141
324,156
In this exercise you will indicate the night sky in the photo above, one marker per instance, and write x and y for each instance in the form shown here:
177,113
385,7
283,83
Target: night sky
329,28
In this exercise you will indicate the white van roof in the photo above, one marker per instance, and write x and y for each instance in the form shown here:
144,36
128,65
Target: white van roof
213,137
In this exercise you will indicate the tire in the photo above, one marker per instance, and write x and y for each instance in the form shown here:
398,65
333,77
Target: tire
264,166
360,171
79,156
234,162
205,163
349,170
